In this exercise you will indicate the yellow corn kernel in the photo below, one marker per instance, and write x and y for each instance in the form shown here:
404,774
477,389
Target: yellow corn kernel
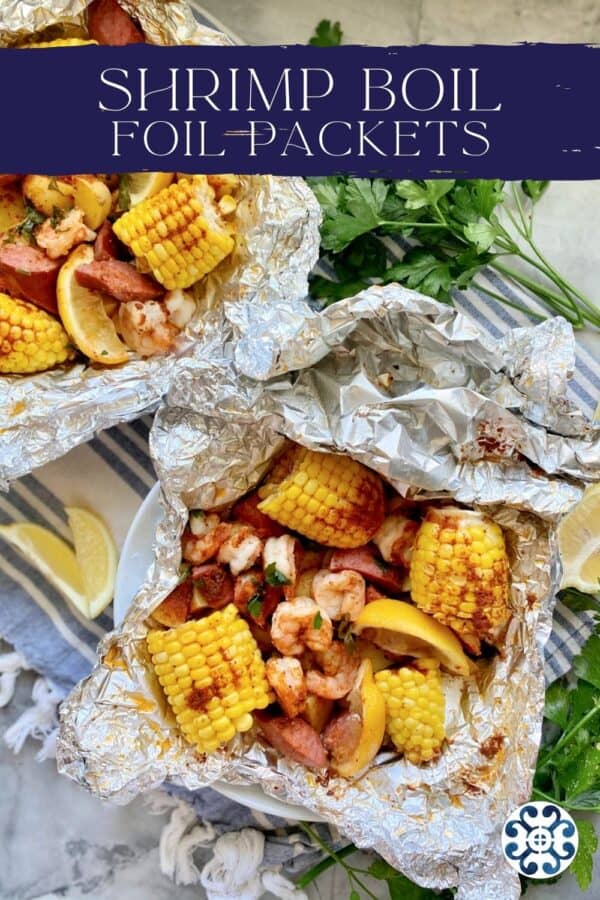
212,708
415,709
31,340
177,233
459,574
61,42
329,498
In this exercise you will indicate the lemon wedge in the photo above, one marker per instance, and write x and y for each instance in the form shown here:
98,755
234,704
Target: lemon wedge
403,630
84,316
96,555
143,185
579,543
367,700
52,557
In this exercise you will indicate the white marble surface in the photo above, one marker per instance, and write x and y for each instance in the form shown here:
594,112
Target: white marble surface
55,840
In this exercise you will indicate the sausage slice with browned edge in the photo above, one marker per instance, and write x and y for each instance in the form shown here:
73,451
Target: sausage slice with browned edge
295,738
367,562
108,23
7,179
119,279
107,245
213,586
26,273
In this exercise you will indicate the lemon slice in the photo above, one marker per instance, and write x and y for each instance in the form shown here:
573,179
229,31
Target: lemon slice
97,557
367,700
579,542
52,557
143,185
84,316
404,630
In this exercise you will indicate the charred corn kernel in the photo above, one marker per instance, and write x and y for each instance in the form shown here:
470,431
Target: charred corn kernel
177,233
459,574
66,42
331,499
31,340
213,676
415,709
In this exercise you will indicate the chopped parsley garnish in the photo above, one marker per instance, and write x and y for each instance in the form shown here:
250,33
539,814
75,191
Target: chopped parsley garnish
255,605
27,226
317,621
185,570
274,577
124,197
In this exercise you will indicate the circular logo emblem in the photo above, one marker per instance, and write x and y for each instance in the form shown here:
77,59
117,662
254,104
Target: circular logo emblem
540,839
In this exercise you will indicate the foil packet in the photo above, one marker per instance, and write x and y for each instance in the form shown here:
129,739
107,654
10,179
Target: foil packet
43,416
412,389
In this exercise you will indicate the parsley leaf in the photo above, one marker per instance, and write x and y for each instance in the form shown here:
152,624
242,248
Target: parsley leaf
255,605
124,197
583,865
274,577
534,189
317,621
327,34
587,664
577,601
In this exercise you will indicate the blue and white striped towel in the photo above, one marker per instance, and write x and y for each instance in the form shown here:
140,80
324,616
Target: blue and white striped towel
113,473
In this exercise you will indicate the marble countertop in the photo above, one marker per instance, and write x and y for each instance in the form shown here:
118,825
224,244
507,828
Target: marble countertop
57,841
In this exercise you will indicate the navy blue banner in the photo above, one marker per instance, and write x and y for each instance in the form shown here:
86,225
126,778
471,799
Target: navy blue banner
524,111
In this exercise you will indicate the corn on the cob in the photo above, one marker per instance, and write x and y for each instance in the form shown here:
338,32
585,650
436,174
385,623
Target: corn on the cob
415,709
177,233
31,340
328,498
213,676
61,42
459,574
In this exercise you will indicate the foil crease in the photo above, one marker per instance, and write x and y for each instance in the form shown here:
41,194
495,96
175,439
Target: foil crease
412,389
43,416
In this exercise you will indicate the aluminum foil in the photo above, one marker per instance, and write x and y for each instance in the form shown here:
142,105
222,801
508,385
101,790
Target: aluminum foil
414,390
43,416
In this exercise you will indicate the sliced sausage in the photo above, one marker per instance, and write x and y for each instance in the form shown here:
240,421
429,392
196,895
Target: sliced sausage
108,23
27,274
107,245
213,586
370,565
373,593
246,510
295,738
7,179
175,608
342,736
120,280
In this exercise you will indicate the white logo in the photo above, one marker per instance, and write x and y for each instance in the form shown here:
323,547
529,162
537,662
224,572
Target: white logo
540,839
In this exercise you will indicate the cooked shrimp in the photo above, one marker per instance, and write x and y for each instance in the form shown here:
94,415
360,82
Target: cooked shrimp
200,548
339,668
396,538
57,238
181,306
339,594
299,624
280,553
145,327
286,677
241,549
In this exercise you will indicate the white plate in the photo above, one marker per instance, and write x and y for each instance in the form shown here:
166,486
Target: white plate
136,557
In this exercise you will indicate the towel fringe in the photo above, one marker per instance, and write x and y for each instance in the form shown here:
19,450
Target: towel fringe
176,847
40,721
11,666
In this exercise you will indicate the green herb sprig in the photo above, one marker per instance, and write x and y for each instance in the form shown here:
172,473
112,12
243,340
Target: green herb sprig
327,34
457,228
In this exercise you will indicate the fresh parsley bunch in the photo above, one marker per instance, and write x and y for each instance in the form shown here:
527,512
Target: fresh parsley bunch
455,229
